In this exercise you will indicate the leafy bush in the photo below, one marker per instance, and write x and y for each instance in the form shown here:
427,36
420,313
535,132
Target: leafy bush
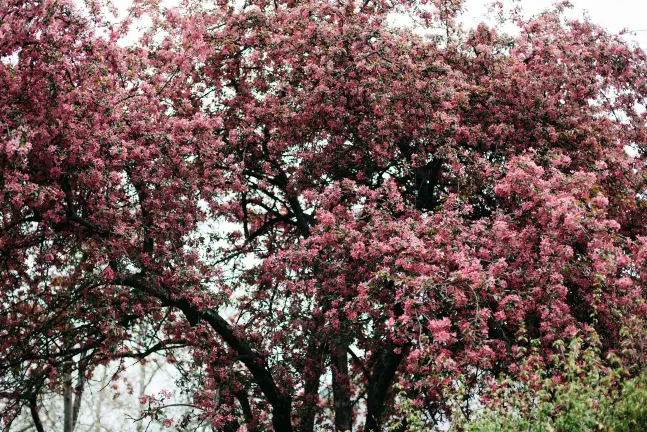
581,391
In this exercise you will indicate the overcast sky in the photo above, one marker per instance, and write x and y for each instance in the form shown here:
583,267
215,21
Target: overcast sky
615,15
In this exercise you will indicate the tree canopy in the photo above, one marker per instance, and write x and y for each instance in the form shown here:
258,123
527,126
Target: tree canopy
325,210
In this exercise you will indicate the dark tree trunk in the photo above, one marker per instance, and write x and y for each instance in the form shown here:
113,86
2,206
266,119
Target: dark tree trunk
311,385
379,384
341,388
33,409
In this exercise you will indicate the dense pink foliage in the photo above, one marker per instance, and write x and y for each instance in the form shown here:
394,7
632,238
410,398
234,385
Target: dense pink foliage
388,208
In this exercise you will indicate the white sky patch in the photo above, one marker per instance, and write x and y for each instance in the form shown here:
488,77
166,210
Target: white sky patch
614,16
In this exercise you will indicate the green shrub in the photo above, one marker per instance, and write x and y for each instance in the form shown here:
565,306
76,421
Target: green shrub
581,391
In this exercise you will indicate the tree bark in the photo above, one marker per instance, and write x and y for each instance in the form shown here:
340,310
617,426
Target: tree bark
379,384
142,390
76,407
311,383
33,409
99,406
68,402
341,388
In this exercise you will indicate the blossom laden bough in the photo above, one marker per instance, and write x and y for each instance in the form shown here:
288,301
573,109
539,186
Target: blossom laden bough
393,212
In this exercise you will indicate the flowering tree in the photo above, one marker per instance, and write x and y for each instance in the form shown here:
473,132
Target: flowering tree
329,212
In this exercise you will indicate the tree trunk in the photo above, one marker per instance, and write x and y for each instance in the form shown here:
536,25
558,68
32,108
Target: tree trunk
68,402
312,372
98,408
341,388
384,371
80,385
142,390
33,409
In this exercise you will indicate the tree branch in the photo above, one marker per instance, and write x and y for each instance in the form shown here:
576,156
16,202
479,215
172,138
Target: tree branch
281,404
38,424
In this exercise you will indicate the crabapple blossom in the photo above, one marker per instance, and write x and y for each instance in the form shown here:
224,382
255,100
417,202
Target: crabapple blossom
324,210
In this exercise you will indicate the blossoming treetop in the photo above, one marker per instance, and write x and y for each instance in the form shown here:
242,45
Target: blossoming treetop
406,210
